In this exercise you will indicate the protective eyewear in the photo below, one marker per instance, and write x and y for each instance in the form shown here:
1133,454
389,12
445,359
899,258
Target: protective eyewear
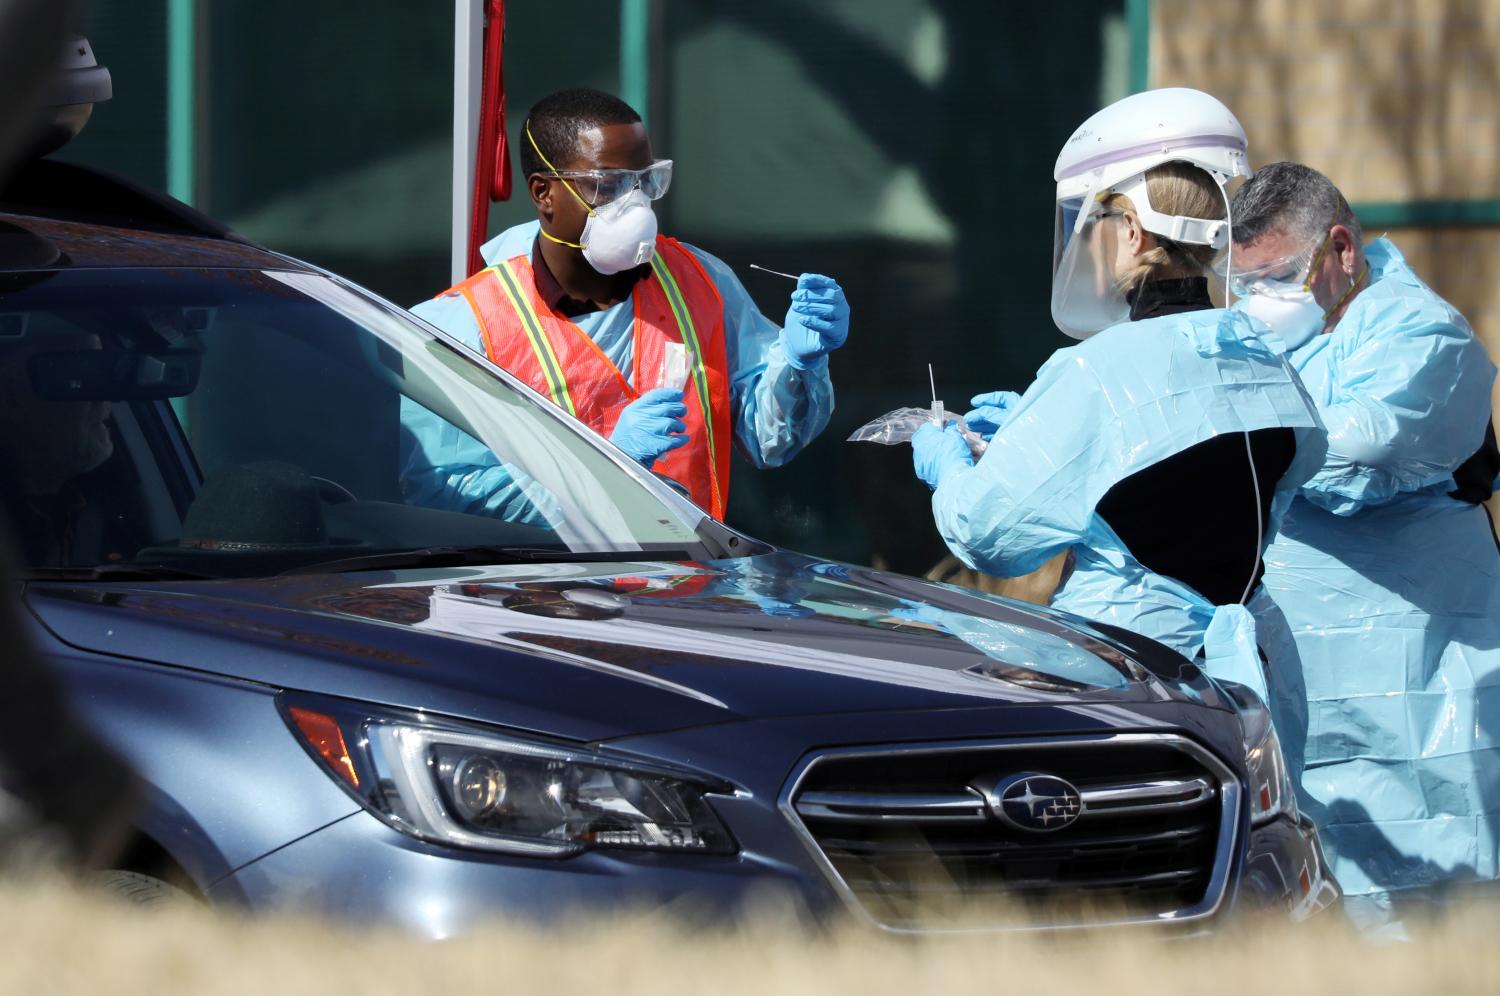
1069,223
1287,273
1292,272
600,186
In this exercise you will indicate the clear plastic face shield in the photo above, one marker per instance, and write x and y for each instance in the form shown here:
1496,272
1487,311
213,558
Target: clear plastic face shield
1086,297
1112,152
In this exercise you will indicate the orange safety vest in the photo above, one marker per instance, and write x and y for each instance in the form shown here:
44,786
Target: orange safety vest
678,302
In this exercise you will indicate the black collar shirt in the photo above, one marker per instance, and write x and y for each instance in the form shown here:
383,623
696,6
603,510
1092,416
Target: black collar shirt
553,295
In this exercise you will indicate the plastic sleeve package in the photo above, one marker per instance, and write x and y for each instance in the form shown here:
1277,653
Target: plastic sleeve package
896,427
674,366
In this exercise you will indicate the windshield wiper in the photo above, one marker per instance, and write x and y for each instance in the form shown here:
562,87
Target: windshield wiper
472,556
113,572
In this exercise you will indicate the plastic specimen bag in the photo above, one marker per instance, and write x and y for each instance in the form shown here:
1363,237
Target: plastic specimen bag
894,428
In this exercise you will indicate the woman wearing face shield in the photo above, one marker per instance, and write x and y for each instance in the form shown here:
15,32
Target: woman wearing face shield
1160,451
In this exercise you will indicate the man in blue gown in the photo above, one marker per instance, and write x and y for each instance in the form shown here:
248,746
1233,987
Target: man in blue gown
1384,635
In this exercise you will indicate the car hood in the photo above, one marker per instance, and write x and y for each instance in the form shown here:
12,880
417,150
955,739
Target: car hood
597,650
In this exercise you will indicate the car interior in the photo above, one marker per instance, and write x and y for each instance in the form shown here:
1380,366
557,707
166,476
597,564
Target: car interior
209,375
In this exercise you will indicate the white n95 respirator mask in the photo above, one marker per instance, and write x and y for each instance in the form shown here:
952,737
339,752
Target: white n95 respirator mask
1294,315
621,234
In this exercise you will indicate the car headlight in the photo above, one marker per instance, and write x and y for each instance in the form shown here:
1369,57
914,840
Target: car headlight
1271,790
472,788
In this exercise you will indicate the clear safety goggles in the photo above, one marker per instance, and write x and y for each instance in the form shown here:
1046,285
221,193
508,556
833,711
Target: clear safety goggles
600,186
1285,273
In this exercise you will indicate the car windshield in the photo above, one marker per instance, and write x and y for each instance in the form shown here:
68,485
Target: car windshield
239,423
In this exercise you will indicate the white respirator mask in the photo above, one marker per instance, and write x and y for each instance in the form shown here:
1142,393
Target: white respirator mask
620,235
1279,291
1294,315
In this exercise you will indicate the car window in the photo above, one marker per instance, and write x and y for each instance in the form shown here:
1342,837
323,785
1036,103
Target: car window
235,422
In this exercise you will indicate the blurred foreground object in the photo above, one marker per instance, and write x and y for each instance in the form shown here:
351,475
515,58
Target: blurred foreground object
31,32
68,99
65,797
1037,587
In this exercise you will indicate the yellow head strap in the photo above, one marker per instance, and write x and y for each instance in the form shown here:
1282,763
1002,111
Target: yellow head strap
1312,267
548,163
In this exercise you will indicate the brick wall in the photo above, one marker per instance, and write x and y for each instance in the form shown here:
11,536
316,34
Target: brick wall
1394,99
1462,264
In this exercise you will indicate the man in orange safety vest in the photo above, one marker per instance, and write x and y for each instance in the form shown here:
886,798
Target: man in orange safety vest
648,341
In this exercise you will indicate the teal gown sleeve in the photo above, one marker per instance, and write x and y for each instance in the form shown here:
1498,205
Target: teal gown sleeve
1406,400
1025,500
776,408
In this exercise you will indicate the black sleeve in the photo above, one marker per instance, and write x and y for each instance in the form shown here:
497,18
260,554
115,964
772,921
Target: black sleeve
1474,480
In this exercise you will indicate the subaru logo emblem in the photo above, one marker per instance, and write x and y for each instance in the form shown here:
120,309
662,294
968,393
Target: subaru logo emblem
1031,800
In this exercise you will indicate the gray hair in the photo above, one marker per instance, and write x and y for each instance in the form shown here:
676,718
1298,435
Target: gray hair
1290,198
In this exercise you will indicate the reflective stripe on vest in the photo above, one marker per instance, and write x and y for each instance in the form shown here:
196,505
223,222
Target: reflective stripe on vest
531,322
700,372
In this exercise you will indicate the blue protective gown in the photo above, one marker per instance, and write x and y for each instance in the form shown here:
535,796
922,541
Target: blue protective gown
1384,635
1099,412
775,408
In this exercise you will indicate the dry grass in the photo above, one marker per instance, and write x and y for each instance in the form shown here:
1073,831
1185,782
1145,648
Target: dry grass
58,939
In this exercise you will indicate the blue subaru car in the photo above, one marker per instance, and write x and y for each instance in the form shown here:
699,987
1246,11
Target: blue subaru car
391,638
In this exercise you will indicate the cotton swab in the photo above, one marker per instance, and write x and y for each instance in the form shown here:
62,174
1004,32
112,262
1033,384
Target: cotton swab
763,269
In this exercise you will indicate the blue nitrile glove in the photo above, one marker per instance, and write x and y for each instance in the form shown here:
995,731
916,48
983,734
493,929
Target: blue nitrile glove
817,322
990,412
938,452
652,425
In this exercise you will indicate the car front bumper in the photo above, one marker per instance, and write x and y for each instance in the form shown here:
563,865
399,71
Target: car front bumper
1284,870
359,869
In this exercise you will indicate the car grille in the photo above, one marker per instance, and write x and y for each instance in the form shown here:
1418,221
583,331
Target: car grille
909,840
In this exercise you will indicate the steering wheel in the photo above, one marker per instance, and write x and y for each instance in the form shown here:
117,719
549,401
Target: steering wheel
333,492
